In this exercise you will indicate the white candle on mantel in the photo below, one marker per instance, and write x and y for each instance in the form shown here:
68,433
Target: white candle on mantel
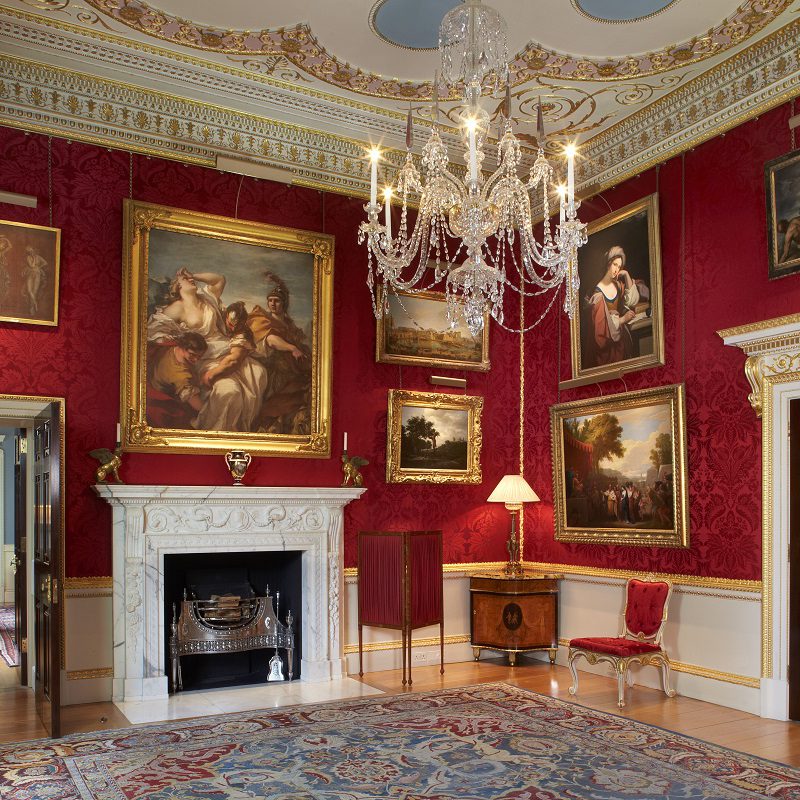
374,155
345,441
118,433
473,152
570,151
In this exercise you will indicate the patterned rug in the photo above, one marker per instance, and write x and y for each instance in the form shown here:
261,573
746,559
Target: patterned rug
491,741
8,648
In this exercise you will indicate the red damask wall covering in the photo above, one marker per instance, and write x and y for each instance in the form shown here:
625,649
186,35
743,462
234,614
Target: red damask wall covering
724,281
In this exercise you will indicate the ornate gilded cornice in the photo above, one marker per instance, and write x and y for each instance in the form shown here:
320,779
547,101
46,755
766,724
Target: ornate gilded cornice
751,82
299,45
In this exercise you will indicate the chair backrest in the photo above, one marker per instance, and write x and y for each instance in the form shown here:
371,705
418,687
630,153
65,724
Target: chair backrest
646,604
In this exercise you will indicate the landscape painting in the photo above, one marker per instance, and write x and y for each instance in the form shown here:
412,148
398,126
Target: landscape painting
620,468
433,438
235,321
415,330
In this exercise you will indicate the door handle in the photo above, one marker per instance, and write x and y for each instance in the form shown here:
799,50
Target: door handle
15,562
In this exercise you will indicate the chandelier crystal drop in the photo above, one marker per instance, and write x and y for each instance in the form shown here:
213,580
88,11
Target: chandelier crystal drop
469,231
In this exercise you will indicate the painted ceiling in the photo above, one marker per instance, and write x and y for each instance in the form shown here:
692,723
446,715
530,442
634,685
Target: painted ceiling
305,85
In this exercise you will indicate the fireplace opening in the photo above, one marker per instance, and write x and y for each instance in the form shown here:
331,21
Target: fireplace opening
235,575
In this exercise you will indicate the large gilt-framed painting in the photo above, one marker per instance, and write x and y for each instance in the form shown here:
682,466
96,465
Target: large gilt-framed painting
29,265
433,438
619,469
782,178
619,325
227,330
415,331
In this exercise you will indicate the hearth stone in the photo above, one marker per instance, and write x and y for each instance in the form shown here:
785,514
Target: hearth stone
152,521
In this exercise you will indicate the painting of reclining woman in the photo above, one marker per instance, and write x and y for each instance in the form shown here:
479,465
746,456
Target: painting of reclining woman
236,335
620,464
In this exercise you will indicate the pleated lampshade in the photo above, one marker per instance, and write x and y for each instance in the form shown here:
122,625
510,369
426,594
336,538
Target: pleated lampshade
513,490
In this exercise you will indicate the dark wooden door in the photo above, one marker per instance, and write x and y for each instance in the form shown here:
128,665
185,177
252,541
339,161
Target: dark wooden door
47,565
794,560
20,561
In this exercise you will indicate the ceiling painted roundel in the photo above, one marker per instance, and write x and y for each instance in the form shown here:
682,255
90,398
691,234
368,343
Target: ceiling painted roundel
413,24
622,10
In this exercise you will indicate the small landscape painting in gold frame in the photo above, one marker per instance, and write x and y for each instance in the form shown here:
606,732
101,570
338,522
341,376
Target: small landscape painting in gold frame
415,331
433,438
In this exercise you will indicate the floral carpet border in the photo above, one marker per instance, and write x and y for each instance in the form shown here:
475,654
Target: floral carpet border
464,737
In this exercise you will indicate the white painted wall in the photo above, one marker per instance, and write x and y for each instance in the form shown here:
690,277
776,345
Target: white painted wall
709,631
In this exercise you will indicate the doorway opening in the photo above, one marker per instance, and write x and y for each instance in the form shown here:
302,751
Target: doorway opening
31,560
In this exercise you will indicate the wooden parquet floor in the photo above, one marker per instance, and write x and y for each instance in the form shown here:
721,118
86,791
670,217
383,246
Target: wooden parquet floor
778,741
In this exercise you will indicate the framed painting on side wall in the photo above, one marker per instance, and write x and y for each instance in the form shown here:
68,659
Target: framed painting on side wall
433,438
619,469
29,266
782,179
227,329
415,330
619,323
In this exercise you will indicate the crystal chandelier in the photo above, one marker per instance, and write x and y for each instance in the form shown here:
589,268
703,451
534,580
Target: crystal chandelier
483,216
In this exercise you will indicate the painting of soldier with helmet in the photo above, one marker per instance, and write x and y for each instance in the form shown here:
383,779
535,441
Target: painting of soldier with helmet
237,333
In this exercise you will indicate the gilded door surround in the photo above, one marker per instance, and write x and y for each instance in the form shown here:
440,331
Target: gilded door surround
772,369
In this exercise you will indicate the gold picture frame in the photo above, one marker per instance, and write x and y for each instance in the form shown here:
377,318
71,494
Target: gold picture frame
30,258
412,453
603,345
415,331
783,214
640,497
234,353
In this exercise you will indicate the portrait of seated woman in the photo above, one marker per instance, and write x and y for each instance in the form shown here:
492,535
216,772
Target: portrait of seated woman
616,320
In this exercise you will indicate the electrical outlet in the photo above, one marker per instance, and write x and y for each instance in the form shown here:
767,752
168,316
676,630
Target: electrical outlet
419,657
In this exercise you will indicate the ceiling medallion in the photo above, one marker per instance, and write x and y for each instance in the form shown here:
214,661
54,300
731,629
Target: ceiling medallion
619,12
299,45
409,24
484,222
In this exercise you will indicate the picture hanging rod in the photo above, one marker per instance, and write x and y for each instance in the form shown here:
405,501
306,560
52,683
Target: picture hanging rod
443,380
254,169
14,199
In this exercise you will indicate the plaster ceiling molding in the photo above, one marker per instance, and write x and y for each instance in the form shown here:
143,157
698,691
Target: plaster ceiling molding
220,102
304,48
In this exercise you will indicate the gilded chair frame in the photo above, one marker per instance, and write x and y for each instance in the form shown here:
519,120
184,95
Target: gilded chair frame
621,664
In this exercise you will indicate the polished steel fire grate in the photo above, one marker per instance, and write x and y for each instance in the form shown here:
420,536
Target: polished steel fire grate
230,624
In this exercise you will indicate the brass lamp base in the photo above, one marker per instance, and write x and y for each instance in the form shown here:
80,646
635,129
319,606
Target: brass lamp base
513,567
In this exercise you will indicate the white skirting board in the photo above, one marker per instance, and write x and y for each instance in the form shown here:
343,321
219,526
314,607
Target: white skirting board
713,635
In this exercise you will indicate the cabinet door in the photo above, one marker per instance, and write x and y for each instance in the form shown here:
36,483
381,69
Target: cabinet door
513,622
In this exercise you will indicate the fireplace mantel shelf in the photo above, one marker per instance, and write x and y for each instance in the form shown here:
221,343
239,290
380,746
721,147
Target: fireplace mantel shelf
153,521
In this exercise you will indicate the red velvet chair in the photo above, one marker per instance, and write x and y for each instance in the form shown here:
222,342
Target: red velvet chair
640,641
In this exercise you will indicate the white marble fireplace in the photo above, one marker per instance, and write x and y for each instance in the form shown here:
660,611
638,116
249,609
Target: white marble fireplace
153,521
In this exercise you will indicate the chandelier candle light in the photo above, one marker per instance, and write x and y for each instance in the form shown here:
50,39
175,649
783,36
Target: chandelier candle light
480,215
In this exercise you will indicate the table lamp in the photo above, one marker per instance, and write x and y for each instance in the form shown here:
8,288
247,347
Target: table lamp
514,491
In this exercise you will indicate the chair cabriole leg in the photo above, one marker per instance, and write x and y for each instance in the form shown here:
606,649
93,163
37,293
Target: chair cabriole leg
622,669
665,678
572,657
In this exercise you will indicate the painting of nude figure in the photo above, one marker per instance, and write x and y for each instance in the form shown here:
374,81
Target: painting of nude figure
782,178
233,335
29,262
